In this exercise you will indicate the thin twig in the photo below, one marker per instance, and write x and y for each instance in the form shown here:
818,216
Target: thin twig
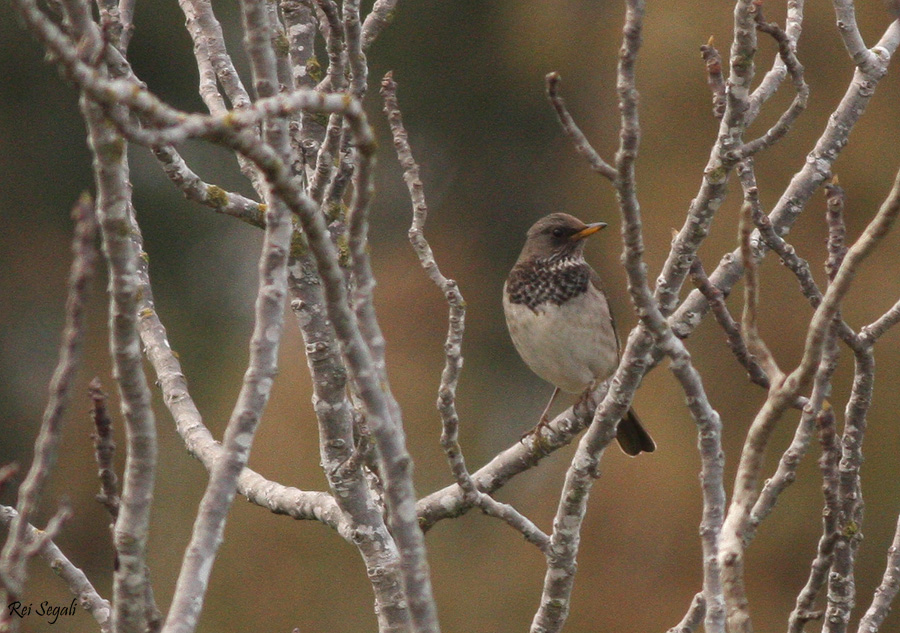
450,502
714,187
755,344
212,196
104,449
745,488
868,334
786,472
837,230
335,81
84,254
446,402
816,169
789,57
773,79
694,616
714,78
886,591
571,129
75,578
735,340
789,257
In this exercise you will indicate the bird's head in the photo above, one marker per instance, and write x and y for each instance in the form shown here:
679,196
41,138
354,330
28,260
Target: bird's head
557,236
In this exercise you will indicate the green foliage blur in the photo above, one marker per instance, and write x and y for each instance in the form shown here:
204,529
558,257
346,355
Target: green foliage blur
493,160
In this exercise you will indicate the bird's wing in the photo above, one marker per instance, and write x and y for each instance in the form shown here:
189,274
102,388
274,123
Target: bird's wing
595,281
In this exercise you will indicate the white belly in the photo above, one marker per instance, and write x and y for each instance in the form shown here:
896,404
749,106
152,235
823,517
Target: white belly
566,345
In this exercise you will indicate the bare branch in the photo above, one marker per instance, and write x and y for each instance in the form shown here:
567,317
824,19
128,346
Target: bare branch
849,501
446,402
571,129
263,362
755,344
104,449
837,230
713,189
734,338
871,333
356,58
451,502
828,463
335,81
886,591
845,11
379,17
212,58
714,77
132,525
788,56
216,198
786,472
800,268
693,618
773,79
745,489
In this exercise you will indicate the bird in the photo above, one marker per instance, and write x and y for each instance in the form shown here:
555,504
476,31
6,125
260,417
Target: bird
560,321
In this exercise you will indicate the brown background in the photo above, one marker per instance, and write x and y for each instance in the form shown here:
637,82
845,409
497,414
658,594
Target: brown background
493,160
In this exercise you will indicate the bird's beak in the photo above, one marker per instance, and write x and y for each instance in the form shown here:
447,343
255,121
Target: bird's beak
590,229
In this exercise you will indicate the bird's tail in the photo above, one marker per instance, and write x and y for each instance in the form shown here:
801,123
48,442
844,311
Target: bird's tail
633,437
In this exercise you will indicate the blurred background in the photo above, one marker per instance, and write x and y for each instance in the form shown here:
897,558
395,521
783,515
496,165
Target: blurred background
493,160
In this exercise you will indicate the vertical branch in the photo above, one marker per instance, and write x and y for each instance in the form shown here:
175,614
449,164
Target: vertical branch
841,580
263,362
388,430
335,81
755,344
828,463
210,524
715,176
356,57
650,308
13,571
446,402
130,588
396,463
339,453
216,68
210,53
134,608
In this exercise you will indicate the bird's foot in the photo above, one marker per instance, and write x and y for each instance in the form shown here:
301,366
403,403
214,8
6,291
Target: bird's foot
539,439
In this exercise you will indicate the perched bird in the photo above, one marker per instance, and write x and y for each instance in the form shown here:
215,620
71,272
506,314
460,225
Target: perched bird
559,318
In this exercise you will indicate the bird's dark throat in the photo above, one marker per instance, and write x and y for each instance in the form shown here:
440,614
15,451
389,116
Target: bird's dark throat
553,280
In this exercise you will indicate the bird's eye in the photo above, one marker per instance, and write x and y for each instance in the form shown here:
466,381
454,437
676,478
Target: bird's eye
557,232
